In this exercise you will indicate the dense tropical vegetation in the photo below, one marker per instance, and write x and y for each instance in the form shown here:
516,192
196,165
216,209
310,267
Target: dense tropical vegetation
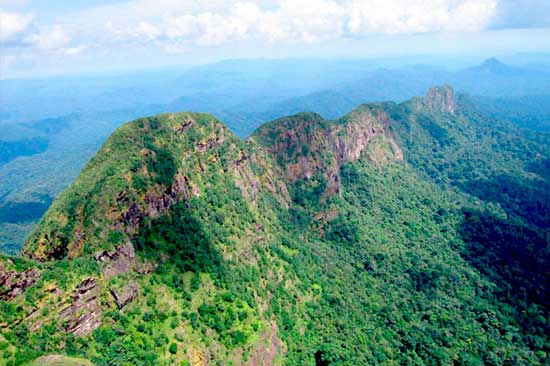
402,234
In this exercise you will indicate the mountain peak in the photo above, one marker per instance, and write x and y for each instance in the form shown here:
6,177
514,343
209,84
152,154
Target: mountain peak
307,146
495,66
492,62
441,98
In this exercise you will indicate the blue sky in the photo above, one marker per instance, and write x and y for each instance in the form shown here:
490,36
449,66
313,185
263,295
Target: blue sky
57,36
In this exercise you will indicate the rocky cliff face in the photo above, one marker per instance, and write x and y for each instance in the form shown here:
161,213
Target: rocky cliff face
441,99
305,145
168,159
13,282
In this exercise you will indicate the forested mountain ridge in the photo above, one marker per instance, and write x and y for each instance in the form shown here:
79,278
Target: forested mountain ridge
392,236
47,138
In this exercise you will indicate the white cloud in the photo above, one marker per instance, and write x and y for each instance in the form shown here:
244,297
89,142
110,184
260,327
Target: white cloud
50,39
175,48
180,25
293,21
74,50
418,16
13,25
147,31
9,3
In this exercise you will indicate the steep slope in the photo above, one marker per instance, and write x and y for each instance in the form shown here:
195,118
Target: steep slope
170,220
347,242
501,174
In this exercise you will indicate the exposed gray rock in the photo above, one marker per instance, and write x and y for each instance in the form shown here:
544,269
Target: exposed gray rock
13,283
125,295
61,360
132,217
441,99
185,125
82,315
214,141
120,260
268,348
246,180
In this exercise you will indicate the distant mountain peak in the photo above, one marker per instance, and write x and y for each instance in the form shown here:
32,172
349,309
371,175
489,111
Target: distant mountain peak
492,62
441,98
495,66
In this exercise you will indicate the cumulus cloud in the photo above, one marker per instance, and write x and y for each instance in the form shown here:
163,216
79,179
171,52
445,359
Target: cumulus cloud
290,21
13,25
416,16
179,25
74,50
18,31
10,3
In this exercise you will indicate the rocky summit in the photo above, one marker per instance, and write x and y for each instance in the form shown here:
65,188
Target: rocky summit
384,237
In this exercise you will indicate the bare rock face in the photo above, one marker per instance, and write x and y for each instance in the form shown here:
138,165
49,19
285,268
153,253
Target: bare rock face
57,360
132,217
125,295
441,99
216,139
156,203
306,144
182,188
352,140
13,283
246,180
161,199
82,315
120,260
185,125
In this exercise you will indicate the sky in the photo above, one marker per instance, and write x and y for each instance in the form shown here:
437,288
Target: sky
40,37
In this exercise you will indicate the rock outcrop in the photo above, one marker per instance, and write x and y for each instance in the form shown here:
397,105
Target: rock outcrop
13,283
441,99
60,360
305,144
125,295
83,313
269,347
122,260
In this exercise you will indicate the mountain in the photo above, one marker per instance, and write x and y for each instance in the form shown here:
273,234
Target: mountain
494,66
493,85
412,233
47,137
72,116
529,111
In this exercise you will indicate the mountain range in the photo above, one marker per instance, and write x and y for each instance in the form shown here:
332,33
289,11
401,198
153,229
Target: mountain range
52,127
413,233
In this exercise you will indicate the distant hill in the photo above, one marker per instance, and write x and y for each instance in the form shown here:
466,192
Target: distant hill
490,80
